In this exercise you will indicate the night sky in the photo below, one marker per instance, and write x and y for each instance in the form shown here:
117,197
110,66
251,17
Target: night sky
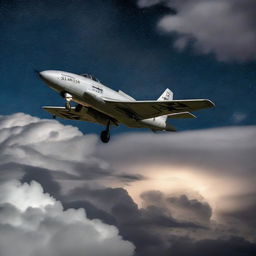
189,193
120,44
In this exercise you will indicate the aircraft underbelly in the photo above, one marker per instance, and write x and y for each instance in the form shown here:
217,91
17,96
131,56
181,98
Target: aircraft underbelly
119,115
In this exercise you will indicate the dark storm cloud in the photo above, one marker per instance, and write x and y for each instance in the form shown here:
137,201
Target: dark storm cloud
117,202
244,216
225,28
146,227
234,246
152,229
181,206
202,210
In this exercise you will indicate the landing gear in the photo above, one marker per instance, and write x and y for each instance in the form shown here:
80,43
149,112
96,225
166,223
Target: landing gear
68,106
105,135
68,98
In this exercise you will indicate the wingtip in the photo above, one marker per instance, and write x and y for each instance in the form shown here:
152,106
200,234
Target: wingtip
211,104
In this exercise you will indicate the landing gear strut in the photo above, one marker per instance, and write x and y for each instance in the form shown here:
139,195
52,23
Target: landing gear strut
68,98
105,135
68,106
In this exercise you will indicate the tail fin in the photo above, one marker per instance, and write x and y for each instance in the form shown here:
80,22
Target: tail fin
166,95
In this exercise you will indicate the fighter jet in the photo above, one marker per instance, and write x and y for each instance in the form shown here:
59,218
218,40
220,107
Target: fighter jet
97,103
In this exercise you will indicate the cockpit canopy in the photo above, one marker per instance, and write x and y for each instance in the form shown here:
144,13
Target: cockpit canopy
91,77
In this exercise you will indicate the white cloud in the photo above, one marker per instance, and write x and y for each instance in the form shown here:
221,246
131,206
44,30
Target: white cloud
34,224
238,117
225,28
46,144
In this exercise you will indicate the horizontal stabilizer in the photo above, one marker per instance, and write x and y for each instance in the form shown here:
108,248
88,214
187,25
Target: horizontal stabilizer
181,115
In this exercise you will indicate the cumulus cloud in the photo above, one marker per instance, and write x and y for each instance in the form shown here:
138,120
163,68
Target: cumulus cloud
148,227
225,28
47,144
33,223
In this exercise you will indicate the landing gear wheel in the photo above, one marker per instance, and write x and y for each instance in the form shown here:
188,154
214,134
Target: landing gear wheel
105,136
68,106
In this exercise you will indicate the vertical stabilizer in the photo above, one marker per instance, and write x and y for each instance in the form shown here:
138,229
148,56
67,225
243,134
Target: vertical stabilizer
166,95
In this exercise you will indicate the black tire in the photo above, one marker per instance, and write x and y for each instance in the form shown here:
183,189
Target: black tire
105,136
68,106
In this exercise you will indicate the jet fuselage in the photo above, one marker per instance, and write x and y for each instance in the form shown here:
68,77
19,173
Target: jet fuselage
92,94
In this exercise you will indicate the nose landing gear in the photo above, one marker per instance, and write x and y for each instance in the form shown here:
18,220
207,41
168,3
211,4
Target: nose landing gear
68,98
105,135
68,106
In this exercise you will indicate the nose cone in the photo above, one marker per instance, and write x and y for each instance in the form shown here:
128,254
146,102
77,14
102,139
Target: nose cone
47,75
51,78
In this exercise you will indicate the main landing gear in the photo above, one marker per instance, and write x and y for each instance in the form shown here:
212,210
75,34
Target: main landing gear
105,135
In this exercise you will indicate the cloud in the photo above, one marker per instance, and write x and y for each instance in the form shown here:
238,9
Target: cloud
34,223
155,228
166,193
209,149
147,227
180,207
222,27
234,246
214,165
47,144
238,117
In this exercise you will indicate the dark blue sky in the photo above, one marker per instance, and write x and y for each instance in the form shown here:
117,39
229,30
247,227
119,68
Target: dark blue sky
118,43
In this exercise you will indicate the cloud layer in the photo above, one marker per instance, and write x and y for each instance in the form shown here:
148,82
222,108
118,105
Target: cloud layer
176,194
225,28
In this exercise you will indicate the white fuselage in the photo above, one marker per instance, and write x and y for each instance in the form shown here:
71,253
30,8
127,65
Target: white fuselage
92,94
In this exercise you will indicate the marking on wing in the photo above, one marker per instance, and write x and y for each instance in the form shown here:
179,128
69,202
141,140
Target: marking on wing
171,106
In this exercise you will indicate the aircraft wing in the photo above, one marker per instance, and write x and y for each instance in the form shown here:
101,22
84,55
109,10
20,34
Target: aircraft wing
149,109
64,113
